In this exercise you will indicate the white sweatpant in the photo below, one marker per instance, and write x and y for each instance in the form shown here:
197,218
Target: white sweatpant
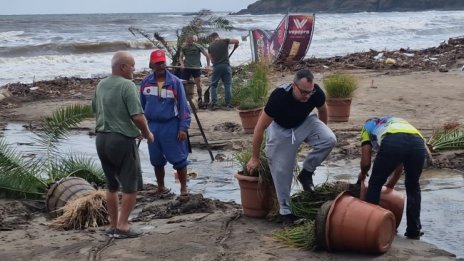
281,149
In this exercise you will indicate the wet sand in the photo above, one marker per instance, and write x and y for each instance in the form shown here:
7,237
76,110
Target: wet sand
426,99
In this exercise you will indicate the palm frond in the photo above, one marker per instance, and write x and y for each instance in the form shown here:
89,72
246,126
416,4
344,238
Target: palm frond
453,139
57,126
19,178
78,165
220,23
28,178
156,43
165,44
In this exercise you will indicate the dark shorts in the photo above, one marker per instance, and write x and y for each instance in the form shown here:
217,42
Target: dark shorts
120,161
186,73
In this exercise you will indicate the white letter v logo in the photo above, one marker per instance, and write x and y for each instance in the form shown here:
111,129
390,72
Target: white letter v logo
299,24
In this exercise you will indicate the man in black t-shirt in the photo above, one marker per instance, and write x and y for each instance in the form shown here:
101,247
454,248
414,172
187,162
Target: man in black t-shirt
288,122
218,51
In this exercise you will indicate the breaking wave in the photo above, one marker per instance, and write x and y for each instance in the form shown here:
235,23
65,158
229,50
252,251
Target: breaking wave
73,48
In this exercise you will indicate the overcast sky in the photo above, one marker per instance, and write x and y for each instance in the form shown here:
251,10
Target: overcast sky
9,7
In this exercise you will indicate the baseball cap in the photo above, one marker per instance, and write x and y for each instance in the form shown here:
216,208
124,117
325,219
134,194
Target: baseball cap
157,56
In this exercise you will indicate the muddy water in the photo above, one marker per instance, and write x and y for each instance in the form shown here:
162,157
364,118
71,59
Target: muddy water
442,197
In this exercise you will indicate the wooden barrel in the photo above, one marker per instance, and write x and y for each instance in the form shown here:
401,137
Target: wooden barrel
64,190
189,89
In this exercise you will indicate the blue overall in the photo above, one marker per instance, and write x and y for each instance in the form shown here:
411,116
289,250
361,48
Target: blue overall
167,113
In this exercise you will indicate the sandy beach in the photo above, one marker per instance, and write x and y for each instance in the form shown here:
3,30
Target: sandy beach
217,230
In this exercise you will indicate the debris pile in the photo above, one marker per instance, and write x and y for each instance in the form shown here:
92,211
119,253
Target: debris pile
442,58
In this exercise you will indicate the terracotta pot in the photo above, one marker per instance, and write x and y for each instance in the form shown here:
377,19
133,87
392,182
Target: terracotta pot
249,119
355,225
339,109
321,220
256,197
389,199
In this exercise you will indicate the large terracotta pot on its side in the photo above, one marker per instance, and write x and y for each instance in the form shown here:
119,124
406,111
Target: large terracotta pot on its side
249,119
338,109
389,199
321,221
256,197
355,225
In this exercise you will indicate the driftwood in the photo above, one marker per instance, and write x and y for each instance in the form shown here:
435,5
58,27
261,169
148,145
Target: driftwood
442,58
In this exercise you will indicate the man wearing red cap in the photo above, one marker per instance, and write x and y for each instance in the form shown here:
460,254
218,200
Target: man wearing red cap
165,104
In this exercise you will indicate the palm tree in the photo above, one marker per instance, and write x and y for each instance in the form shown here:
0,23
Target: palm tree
197,26
22,177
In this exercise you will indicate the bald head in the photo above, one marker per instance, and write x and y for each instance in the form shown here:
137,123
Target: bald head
122,64
119,58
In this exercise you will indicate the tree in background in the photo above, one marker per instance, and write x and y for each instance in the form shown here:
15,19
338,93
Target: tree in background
202,23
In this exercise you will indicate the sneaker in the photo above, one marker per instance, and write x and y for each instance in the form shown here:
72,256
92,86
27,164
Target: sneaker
288,220
414,236
109,232
131,233
306,179
228,107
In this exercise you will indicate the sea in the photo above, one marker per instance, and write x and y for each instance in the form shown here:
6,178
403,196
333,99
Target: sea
42,47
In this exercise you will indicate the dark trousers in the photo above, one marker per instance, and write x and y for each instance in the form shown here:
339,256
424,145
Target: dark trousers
397,148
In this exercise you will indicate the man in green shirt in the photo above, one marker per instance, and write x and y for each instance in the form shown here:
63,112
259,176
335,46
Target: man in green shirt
119,120
190,61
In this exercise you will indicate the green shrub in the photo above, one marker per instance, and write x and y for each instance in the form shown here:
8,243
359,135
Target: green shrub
340,85
263,172
252,93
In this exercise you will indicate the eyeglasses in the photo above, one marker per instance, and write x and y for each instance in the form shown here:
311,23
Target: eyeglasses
304,92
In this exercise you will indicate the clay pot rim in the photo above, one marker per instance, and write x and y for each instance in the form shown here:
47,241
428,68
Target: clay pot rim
327,223
340,99
239,176
250,110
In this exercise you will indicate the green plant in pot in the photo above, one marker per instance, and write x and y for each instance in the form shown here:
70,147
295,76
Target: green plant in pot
339,89
251,94
256,189
263,173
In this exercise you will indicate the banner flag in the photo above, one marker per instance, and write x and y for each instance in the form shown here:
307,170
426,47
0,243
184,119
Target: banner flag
289,42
